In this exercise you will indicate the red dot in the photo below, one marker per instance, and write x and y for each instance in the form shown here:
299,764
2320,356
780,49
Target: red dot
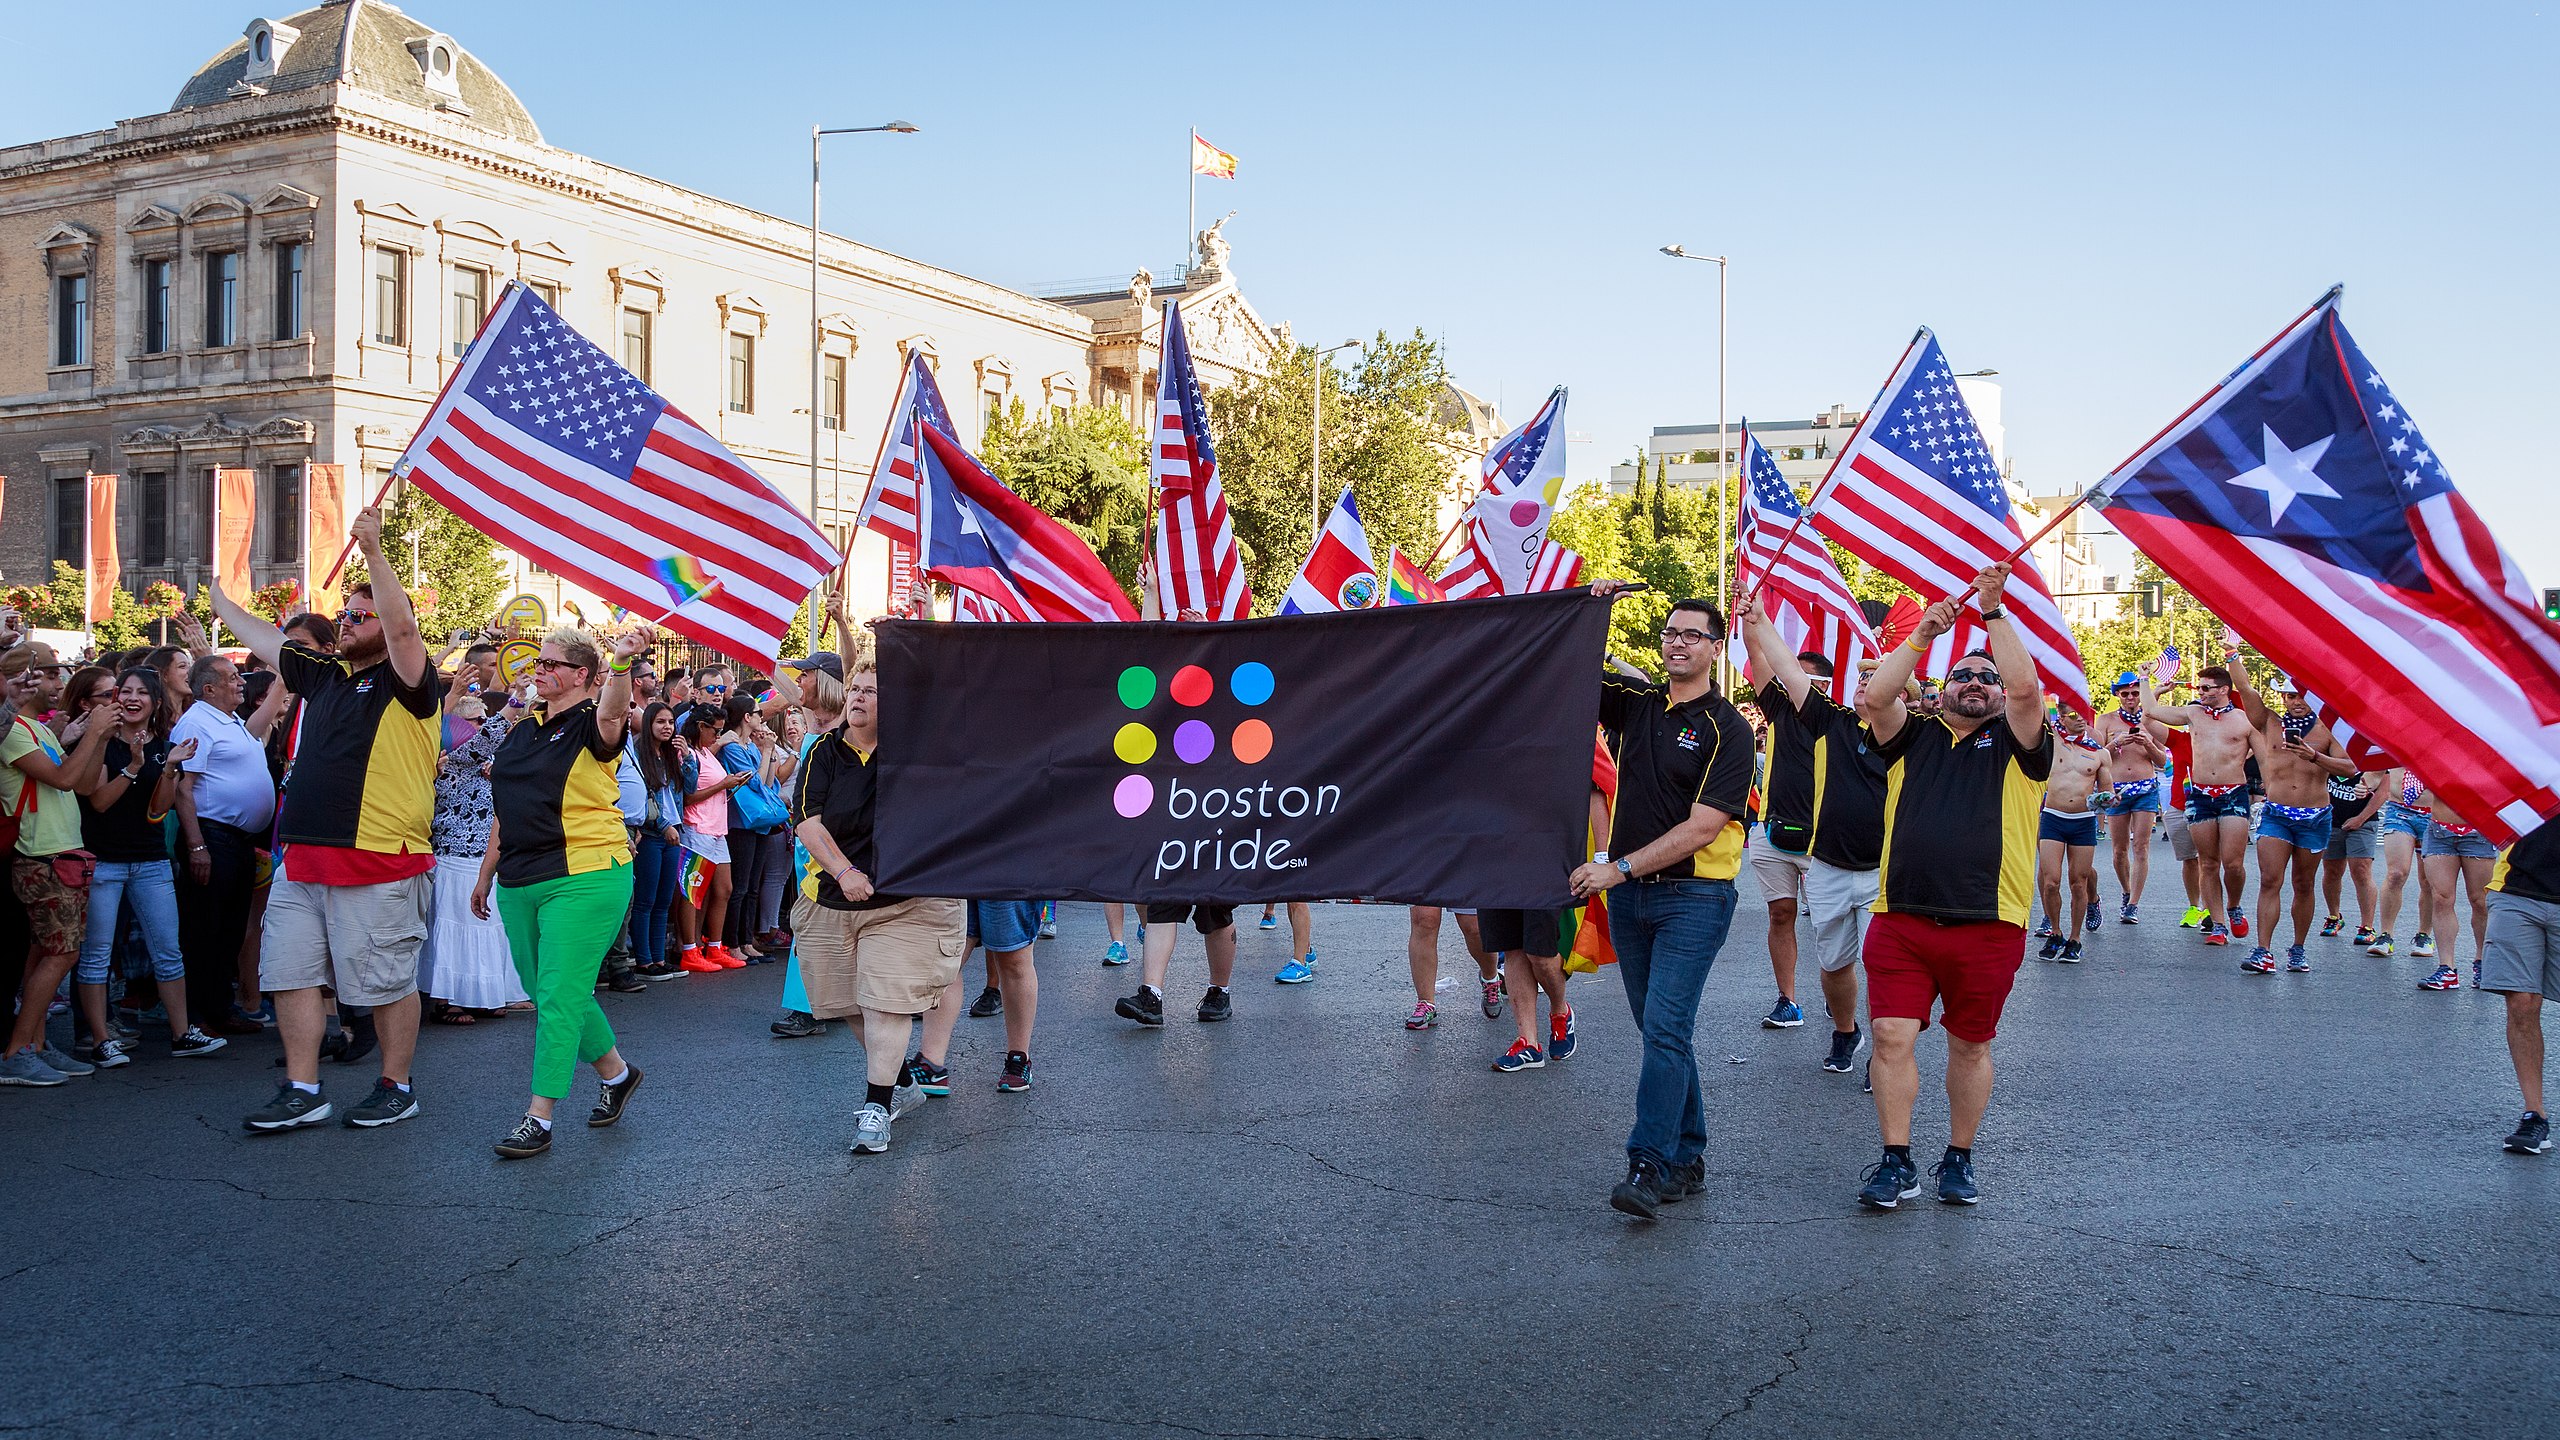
1191,686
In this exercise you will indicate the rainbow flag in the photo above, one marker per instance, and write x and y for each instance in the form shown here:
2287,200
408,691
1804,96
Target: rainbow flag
1406,584
697,879
684,577
1586,926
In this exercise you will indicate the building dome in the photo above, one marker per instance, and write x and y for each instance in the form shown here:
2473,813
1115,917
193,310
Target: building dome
370,46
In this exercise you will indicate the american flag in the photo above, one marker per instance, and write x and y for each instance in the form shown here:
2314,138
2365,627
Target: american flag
2299,501
1917,494
2366,754
545,444
1808,600
1471,573
892,505
1196,554
1531,457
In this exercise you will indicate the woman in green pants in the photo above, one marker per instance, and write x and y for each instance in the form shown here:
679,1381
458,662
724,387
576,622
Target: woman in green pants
561,861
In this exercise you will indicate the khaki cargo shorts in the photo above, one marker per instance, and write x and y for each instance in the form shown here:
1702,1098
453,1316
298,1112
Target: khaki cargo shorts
897,959
363,939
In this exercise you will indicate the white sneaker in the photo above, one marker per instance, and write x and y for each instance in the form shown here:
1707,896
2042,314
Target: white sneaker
905,1097
871,1129
109,1053
27,1068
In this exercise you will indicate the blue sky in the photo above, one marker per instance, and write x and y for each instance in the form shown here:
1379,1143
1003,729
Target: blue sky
2111,207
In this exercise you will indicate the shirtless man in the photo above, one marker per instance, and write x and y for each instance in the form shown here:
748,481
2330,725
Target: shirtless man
2138,746
2297,754
2218,792
2068,831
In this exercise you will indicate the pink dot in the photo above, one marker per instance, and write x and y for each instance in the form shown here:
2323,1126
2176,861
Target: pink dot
1524,513
1135,794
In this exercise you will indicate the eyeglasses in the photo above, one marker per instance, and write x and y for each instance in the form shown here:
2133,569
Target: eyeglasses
1672,636
355,617
546,665
1969,674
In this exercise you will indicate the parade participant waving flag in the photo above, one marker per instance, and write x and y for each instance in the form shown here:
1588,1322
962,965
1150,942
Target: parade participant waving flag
2299,498
1338,574
546,445
1808,601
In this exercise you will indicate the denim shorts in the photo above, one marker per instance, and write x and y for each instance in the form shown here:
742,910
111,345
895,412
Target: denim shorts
2303,832
2134,796
2399,819
2202,806
2440,841
1004,926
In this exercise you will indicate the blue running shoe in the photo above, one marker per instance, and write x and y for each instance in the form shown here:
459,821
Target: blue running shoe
1890,1181
1955,1179
2091,925
1117,954
1299,971
2295,962
1560,1042
1521,1056
2261,961
1269,922
2128,916
1785,1015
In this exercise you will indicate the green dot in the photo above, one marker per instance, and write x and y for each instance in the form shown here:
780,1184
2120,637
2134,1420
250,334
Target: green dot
1137,687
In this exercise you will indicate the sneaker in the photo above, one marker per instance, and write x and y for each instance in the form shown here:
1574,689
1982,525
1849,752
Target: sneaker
798,1025
2380,944
2364,936
1785,1015
1115,953
1560,1041
2296,961
2239,923
1424,1016
2532,1137
2261,961
2422,946
2052,948
2091,924
1048,922
1521,1056
290,1109
1146,1007
1215,1006
2044,931
616,1095
2445,978
2070,953
194,1042
924,1077
903,1098
1298,971
691,961
2475,973
625,982
871,1129
1890,1181
661,970
262,1017
720,956
25,1067
64,1063
2332,925
2193,918
1269,922
1954,1175
1867,1078
1640,1194
107,1054
2214,934
990,1001
530,1138
387,1105
1844,1050
1492,999
2127,916
1017,1074
1688,1180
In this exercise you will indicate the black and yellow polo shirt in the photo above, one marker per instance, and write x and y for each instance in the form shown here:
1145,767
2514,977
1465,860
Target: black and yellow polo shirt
1672,756
558,808
1848,786
1960,818
840,789
2530,868
1786,787
364,777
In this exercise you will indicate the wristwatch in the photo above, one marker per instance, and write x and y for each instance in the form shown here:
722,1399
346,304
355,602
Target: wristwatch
1625,867
1996,612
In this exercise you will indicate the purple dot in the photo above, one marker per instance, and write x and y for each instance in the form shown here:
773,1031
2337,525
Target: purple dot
1524,513
1135,794
1193,740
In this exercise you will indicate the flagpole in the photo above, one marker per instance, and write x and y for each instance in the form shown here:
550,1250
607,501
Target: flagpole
1191,204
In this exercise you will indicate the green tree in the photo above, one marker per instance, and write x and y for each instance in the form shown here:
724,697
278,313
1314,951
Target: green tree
1383,439
2132,641
454,560
1661,534
1087,469
62,603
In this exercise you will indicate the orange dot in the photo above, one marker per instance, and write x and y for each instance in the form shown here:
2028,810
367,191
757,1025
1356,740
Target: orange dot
1252,742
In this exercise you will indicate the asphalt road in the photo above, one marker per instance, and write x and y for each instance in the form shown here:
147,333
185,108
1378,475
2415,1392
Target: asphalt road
2213,1204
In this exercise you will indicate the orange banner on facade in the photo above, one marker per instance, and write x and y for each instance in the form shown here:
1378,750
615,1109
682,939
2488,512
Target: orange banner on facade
328,510
235,514
103,569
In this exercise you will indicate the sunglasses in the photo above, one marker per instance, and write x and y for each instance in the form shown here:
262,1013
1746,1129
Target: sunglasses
1984,677
1685,637
355,617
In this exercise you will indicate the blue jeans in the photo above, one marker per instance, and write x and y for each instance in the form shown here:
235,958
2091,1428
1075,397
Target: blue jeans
657,870
1667,935
152,890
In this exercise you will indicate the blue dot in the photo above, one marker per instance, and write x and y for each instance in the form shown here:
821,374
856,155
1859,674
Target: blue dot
1251,684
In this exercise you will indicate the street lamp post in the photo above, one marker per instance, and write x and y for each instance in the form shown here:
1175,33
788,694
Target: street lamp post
1724,450
817,346
1315,454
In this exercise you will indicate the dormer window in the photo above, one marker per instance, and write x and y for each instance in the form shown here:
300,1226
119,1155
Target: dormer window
439,65
269,41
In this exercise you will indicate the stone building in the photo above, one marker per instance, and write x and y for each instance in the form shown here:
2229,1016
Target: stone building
281,269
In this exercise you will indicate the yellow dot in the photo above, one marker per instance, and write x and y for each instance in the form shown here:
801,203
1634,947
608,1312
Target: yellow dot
1135,744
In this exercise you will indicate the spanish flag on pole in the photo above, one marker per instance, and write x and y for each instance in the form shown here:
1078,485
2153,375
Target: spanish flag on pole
1208,159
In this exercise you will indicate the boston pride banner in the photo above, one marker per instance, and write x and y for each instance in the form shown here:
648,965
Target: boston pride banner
1426,754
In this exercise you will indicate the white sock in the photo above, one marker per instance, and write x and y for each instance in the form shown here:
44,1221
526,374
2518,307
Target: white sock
538,1120
616,1079
305,1089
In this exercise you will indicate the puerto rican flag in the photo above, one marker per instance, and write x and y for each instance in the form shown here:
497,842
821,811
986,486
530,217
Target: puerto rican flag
981,538
2299,501
1917,494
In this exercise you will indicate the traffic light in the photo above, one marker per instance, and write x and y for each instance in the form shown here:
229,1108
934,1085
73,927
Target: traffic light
2551,604
2155,599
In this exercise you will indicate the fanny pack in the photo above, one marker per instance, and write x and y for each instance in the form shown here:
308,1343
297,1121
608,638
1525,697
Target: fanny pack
74,868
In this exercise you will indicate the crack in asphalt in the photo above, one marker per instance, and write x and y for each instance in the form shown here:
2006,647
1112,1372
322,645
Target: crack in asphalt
2247,1272
371,1201
1790,1360
158,1398
1134,1422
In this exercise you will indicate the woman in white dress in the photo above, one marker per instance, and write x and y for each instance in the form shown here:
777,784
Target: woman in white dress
466,966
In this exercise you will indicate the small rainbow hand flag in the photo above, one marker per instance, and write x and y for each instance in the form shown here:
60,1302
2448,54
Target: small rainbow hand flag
697,879
684,577
1406,584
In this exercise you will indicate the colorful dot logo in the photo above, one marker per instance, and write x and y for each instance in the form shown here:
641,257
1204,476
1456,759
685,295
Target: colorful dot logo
1194,741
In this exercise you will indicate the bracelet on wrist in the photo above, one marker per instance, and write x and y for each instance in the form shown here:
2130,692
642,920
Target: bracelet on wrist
619,666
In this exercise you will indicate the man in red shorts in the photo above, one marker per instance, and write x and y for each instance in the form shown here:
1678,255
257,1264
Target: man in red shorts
1962,799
